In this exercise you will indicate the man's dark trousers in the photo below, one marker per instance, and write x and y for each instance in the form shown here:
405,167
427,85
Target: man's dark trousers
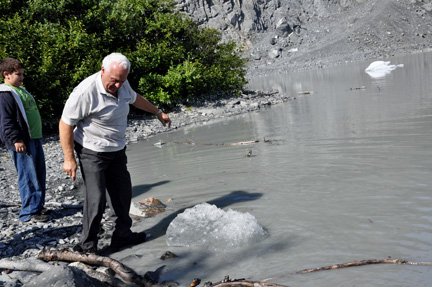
104,172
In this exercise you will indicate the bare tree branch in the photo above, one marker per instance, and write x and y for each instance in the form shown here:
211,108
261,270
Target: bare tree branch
226,282
222,144
364,262
123,271
25,265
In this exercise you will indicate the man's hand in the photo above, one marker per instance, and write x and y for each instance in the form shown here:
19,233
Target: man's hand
164,119
20,147
67,143
70,167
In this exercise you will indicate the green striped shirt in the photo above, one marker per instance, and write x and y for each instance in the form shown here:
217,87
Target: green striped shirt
32,112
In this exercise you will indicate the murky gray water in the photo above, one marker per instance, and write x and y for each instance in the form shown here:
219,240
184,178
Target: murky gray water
347,177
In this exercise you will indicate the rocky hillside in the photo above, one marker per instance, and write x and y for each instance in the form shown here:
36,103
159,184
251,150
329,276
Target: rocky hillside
295,34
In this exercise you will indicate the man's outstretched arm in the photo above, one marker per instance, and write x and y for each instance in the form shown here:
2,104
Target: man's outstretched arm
145,105
67,143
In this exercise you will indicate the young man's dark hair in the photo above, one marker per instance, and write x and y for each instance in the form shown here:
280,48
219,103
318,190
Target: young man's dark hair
10,65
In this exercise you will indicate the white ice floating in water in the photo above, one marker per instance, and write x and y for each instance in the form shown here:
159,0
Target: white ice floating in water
379,69
208,226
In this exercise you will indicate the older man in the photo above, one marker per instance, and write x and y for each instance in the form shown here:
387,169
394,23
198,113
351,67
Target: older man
94,122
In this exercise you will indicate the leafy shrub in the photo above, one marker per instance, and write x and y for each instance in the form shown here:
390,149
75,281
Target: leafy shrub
63,41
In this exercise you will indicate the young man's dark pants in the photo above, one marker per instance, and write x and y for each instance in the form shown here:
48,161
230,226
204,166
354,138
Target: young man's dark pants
104,172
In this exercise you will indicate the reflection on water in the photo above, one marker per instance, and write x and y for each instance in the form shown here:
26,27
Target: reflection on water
345,176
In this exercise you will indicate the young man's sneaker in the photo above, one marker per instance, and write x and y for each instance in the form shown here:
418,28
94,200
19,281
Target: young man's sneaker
40,218
78,248
134,238
45,211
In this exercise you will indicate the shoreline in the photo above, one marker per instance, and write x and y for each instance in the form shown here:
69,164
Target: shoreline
64,197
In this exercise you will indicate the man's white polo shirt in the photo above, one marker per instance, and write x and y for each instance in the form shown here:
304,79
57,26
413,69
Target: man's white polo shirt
99,117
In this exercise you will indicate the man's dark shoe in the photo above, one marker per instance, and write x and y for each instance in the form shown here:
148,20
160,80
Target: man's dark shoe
91,250
132,239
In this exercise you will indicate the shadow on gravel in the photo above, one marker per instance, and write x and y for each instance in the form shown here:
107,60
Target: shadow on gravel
38,237
57,214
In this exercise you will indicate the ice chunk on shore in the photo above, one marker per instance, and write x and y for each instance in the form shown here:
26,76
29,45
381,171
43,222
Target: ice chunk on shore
379,69
209,226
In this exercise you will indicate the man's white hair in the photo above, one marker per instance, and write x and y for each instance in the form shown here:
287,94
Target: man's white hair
117,58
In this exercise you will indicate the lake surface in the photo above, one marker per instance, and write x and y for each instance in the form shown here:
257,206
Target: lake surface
346,176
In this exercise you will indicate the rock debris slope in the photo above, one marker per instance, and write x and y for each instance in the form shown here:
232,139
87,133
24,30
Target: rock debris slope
296,35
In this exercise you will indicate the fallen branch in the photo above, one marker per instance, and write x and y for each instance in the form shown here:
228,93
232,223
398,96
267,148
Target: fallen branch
10,204
25,265
357,263
364,262
222,144
271,141
123,271
305,92
226,282
240,283
358,88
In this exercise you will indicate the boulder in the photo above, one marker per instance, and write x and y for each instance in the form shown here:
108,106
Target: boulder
63,276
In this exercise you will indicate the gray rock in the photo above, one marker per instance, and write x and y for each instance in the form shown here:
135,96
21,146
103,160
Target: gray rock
275,53
63,276
428,7
23,276
283,29
4,278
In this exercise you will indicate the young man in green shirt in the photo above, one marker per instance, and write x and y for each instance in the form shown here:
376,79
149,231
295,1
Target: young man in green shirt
21,133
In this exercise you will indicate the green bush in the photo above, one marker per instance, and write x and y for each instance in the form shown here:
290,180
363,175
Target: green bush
63,41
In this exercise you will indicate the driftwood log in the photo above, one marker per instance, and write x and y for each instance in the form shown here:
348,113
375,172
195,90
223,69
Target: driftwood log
27,265
227,282
364,262
305,92
222,144
358,88
10,204
123,271
228,144
241,283
129,275
356,263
